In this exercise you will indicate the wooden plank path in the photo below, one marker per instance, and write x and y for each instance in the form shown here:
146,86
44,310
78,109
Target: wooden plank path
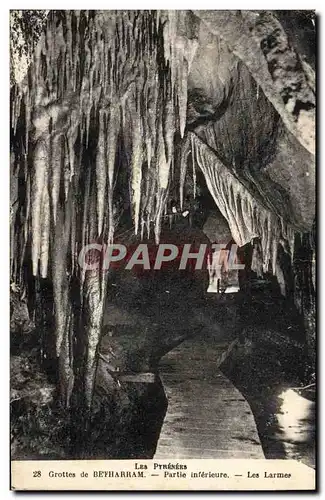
207,417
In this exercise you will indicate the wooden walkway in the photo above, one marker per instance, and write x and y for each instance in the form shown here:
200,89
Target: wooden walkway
207,417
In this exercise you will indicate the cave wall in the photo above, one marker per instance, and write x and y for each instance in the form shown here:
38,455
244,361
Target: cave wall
259,40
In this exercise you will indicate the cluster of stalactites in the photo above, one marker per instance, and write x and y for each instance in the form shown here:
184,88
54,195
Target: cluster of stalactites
247,217
97,76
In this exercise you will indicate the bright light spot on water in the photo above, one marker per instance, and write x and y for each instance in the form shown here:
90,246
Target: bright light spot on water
232,289
295,417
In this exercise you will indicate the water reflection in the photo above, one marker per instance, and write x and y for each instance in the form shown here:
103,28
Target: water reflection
296,425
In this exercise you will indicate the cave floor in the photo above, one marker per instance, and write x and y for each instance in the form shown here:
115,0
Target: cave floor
207,417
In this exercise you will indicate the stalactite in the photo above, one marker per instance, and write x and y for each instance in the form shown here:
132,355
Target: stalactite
39,179
163,160
136,165
185,150
45,235
193,168
93,300
60,281
246,216
101,171
55,165
181,90
112,138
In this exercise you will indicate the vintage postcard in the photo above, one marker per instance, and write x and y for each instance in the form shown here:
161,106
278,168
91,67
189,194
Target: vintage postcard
162,233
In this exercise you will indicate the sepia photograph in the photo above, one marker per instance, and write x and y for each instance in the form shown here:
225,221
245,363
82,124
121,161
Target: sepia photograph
163,249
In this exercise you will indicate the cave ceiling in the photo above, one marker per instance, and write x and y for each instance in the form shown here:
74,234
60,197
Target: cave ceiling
229,111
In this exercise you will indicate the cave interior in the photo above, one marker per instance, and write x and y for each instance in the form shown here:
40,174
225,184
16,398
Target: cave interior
149,128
